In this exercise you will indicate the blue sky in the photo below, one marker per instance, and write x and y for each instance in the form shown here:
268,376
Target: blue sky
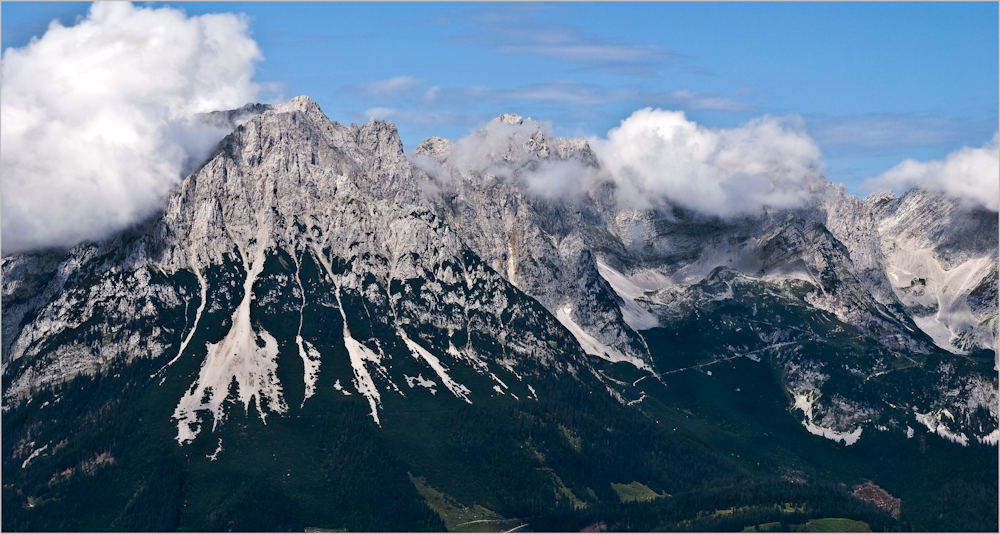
874,83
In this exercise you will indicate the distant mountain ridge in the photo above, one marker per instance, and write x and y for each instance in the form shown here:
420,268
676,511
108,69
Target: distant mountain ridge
309,263
595,266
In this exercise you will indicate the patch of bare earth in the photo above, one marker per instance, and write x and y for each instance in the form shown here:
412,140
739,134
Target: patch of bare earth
87,467
600,526
871,492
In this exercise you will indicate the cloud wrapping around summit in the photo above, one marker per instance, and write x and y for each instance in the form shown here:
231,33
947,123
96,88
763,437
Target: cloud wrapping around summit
657,154
98,118
655,157
969,174
98,125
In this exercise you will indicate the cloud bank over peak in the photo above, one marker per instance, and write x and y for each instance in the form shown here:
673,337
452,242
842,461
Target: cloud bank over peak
654,157
99,117
657,154
968,174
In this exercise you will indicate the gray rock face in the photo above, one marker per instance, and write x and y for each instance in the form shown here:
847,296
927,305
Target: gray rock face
486,187
230,119
836,255
941,262
668,247
496,258
288,190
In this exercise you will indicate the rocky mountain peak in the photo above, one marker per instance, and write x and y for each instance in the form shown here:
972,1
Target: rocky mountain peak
311,276
305,236
290,163
504,146
879,197
300,103
510,118
435,148
230,119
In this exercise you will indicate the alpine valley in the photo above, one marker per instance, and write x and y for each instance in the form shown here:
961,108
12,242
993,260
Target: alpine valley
320,332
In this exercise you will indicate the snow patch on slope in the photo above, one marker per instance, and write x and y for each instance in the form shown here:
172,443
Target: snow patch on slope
477,363
419,380
630,289
337,386
363,382
993,438
805,401
932,421
310,356
34,454
357,351
937,330
237,357
419,352
591,345
215,455
310,360
197,315
919,279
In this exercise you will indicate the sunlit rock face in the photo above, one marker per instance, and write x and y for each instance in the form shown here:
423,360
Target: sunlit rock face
289,191
941,262
491,188
471,266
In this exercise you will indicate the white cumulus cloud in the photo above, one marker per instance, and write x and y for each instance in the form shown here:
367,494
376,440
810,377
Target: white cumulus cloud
969,174
656,154
98,118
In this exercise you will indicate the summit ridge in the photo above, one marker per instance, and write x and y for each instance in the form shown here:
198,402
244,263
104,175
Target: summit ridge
314,273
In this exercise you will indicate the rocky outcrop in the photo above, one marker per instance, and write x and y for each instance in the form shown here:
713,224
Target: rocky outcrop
299,218
941,262
490,188
473,265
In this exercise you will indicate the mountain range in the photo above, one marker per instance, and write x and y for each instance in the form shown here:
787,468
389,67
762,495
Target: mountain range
321,331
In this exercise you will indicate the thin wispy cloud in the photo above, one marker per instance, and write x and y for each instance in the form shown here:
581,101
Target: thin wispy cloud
431,95
891,131
696,101
588,94
437,99
567,45
566,92
391,88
